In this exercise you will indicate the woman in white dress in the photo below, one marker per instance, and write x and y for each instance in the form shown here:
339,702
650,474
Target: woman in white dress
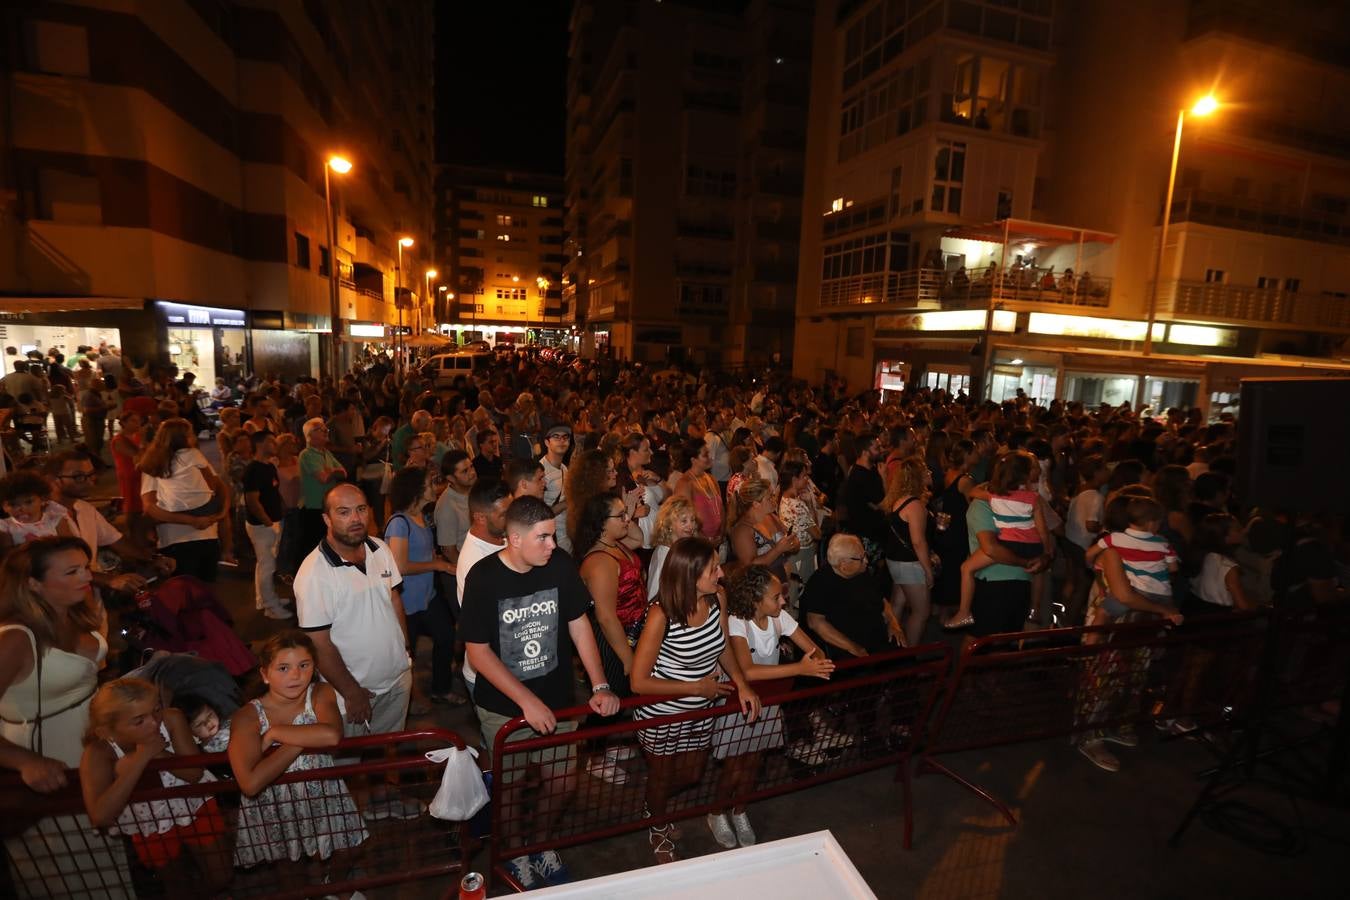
50,652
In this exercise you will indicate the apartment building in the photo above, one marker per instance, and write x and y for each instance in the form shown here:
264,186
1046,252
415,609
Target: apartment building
500,236
164,176
683,180
984,193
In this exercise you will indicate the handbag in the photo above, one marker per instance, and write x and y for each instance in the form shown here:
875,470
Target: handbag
462,792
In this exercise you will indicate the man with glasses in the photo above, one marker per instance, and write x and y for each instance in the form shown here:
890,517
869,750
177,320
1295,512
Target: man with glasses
72,476
843,606
557,441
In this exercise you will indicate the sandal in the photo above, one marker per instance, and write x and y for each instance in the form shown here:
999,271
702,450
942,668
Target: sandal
963,622
663,847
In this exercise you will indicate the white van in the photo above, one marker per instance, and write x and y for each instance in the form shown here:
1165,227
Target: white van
445,366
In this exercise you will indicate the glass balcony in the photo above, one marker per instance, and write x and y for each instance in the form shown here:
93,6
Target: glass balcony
1247,214
1266,307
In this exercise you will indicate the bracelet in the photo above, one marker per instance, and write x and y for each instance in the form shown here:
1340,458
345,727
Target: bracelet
602,686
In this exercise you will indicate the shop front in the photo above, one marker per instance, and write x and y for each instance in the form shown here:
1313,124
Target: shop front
208,341
68,323
284,343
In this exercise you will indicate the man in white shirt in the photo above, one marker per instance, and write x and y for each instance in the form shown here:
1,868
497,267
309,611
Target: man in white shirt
767,460
488,502
348,600
717,448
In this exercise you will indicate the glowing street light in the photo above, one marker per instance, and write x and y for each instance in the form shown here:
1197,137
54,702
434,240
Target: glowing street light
341,165
403,242
1202,107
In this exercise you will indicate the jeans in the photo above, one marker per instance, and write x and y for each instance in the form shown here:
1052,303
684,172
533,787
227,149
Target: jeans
265,539
436,623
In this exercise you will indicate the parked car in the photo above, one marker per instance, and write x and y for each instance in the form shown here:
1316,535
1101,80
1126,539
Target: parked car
443,367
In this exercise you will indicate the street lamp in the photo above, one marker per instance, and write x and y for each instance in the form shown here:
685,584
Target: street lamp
403,242
1202,107
544,284
342,166
430,274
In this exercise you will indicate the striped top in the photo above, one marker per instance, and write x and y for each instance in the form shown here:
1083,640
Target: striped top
687,653
1014,514
1147,558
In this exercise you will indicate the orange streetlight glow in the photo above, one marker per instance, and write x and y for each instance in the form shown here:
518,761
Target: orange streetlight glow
340,164
1205,105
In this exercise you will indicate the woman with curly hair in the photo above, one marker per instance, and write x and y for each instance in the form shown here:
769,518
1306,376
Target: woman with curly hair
906,546
593,472
756,626
676,519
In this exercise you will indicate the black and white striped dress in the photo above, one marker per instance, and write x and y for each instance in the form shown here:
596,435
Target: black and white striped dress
687,653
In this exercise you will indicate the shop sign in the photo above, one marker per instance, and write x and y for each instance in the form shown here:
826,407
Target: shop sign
950,320
202,316
362,329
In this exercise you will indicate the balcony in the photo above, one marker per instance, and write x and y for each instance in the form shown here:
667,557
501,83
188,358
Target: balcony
939,289
1245,214
1263,307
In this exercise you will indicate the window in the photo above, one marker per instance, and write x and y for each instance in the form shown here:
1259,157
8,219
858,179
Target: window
301,251
1003,207
504,220
510,293
1216,276
836,205
995,95
504,237
540,201
323,261
68,197
1266,283
949,174
704,182
55,48
1291,285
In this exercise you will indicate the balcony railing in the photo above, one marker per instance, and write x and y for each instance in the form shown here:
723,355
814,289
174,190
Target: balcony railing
934,288
1270,307
1228,211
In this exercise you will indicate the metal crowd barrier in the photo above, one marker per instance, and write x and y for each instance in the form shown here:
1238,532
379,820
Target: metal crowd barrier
866,717
52,851
1086,681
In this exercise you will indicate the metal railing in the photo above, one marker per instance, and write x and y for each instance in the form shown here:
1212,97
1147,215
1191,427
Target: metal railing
962,289
1254,305
1249,214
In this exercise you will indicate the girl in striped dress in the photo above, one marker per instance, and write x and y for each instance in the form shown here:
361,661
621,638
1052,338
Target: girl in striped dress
683,643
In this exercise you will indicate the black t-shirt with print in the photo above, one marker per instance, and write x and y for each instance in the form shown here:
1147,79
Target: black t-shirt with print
523,617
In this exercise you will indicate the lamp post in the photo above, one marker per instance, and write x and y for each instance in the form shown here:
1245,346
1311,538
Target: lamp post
404,241
341,166
430,274
1203,107
544,285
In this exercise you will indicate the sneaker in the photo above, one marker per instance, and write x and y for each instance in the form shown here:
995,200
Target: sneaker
273,612
405,808
626,751
721,830
606,769
376,810
1176,727
1126,739
1099,756
744,833
550,868
825,733
522,870
804,753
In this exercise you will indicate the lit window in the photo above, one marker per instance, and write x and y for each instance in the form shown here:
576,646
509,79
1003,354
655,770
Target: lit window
837,204
503,237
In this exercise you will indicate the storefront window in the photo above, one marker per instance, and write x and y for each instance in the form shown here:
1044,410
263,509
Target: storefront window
1164,393
194,350
1092,389
1038,383
951,382
891,377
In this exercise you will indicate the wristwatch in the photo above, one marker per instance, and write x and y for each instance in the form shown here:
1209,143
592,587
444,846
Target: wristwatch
602,686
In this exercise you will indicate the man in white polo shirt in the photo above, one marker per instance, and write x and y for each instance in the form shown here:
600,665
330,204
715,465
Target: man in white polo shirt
347,600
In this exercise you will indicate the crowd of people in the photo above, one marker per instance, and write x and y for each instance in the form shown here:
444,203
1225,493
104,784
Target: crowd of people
547,521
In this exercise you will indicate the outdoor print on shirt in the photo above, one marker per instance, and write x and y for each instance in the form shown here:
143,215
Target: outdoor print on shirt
527,633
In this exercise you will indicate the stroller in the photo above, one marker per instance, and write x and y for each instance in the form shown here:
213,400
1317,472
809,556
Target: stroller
182,616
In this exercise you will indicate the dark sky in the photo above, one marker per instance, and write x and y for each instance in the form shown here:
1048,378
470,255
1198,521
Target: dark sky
501,83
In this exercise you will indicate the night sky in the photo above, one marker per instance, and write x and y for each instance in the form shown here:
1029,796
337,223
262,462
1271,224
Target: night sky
501,83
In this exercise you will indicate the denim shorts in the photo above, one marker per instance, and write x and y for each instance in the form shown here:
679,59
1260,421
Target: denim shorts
906,572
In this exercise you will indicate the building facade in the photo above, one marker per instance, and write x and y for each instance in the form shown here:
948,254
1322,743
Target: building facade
500,239
984,194
164,176
683,179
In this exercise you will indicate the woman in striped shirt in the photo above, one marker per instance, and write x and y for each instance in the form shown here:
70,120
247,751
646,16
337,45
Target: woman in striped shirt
683,644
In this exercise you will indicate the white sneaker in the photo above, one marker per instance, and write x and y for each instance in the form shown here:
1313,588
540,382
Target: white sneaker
744,833
721,830
625,751
827,734
523,871
606,769
806,753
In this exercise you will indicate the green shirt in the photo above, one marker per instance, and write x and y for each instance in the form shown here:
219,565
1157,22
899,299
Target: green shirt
313,461
979,517
398,445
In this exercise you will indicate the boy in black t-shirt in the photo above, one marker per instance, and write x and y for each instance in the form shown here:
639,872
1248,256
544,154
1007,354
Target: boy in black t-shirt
524,613
263,512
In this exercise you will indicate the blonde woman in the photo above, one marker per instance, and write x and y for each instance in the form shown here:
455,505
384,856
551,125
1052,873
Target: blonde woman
676,519
757,535
906,545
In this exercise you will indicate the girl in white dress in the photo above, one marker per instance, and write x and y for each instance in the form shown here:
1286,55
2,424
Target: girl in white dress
292,720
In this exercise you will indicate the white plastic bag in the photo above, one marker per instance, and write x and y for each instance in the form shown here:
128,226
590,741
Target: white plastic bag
462,792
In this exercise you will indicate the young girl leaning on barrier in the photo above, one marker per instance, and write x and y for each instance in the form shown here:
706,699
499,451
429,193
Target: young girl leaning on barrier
128,728
757,623
290,729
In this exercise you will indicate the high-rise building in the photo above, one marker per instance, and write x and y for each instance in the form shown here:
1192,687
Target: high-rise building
985,184
164,176
684,162
500,235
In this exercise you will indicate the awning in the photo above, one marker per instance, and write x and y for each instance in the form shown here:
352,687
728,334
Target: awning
1022,231
67,304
